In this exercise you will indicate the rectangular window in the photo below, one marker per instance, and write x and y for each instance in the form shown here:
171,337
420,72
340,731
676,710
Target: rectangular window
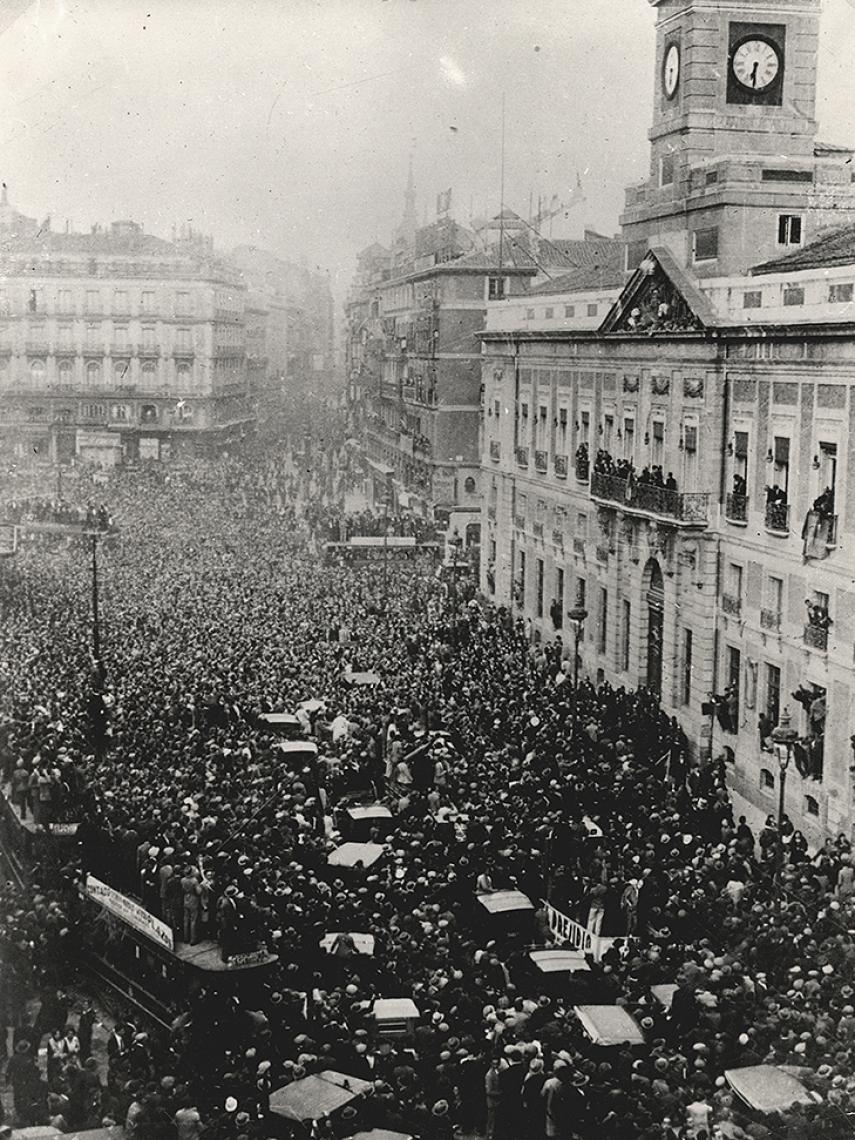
120,301
63,301
147,301
775,591
629,439
794,295
581,526
790,229
625,636
666,170
182,338
734,581
182,304
686,693
529,314
559,598
93,301
658,442
93,336
828,468
608,432
64,335
120,336
593,310
585,428
734,676
690,437
604,620
148,336
581,592
569,310
495,288
521,579
706,244
549,312
840,294
752,299
539,588
711,178
781,456
773,693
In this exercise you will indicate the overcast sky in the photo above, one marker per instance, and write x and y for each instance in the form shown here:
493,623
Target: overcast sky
289,123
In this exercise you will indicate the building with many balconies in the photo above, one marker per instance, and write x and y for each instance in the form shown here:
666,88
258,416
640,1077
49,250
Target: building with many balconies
116,346
672,451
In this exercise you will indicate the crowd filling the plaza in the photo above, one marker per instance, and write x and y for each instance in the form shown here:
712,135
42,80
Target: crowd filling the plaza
216,609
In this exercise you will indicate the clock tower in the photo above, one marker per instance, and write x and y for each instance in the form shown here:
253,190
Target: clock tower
737,176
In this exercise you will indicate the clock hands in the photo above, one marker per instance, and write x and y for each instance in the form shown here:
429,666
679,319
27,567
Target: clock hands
754,73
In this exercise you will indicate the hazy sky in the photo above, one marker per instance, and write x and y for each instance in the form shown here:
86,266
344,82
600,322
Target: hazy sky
288,123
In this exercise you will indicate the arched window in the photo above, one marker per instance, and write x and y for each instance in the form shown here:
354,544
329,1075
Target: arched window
149,374
767,780
469,485
184,375
65,371
122,372
93,373
37,372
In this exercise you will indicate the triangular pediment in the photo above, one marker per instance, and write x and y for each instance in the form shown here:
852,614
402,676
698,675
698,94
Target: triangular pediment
658,300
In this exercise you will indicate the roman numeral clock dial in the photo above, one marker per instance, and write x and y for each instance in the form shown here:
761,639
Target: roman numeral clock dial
756,64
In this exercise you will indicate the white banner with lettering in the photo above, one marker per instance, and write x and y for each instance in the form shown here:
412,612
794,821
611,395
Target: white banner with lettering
130,912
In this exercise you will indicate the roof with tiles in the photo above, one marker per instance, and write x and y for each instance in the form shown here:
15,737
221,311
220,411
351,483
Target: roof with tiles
829,250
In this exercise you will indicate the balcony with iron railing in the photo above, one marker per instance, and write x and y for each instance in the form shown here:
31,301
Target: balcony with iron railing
770,619
583,468
495,450
541,461
521,455
778,518
183,351
731,604
816,637
736,508
687,508
560,464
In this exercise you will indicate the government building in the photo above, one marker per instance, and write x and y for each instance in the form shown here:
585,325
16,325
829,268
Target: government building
668,444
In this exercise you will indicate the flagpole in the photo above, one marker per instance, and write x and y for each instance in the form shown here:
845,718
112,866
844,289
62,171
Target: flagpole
502,193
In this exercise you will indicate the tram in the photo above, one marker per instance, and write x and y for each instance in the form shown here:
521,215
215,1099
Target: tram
138,957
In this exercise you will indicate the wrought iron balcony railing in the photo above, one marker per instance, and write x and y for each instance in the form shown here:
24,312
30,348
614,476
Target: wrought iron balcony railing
778,517
736,508
731,605
648,498
770,619
816,637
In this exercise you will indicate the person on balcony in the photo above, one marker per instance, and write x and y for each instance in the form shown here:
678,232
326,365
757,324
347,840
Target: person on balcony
740,487
670,482
824,504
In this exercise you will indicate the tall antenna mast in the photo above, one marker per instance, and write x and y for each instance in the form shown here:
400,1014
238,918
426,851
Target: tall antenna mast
502,193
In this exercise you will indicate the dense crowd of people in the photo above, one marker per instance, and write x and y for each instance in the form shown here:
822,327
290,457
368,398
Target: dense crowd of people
217,610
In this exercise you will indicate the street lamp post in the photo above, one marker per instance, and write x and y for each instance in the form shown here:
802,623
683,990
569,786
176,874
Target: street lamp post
577,619
784,737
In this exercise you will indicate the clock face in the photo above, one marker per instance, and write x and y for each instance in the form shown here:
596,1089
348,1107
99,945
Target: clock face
671,71
756,64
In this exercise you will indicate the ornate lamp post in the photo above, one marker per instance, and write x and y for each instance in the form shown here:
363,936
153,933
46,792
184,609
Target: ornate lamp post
784,737
577,619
